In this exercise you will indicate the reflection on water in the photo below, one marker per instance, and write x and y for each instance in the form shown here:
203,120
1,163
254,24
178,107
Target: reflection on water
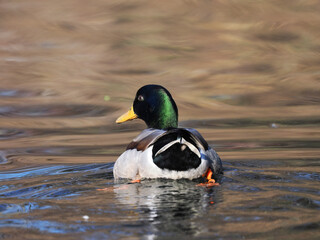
170,206
245,74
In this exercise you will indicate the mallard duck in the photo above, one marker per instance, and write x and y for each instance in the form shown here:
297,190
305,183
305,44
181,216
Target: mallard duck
163,150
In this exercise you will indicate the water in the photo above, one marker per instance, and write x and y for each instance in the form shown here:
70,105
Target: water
245,74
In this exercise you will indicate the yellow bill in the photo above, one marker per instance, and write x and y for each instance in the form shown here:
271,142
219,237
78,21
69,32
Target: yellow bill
130,115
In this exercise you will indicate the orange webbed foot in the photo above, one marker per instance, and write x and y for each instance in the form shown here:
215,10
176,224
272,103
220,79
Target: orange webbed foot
135,181
210,181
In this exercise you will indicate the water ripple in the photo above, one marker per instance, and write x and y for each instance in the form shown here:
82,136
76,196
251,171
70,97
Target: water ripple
54,186
51,170
251,122
26,207
7,133
17,93
44,226
55,111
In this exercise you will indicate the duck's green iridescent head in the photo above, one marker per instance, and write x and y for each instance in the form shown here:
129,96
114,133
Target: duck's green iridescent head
154,105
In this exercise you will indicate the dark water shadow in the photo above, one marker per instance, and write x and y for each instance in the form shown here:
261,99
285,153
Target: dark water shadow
11,155
20,93
52,111
10,133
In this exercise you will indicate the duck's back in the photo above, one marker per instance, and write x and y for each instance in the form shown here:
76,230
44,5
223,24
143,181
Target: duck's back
172,153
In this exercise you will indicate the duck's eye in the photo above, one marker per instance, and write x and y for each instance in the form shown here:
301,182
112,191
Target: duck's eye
140,98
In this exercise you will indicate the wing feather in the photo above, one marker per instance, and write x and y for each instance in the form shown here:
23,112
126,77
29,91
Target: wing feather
145,139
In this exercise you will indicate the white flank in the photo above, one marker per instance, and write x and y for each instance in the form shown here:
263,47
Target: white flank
126,165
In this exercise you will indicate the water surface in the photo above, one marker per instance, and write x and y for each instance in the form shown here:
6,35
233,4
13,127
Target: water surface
245,74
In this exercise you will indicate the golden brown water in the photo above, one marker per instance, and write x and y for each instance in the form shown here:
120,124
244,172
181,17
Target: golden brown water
244,73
